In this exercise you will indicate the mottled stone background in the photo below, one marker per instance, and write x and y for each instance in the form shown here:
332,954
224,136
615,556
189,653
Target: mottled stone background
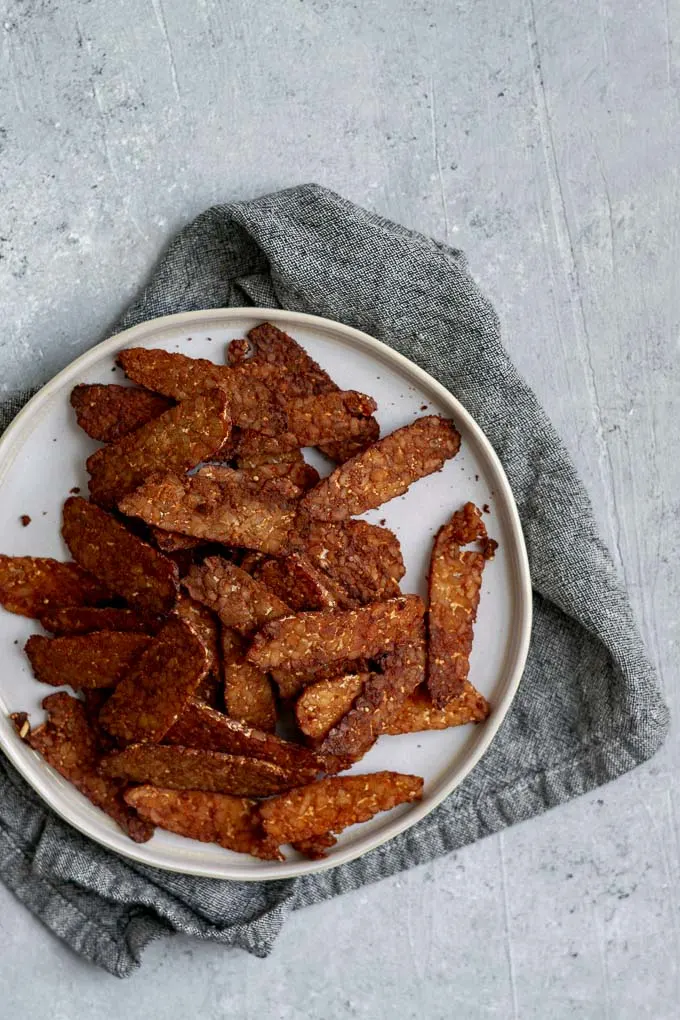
542,136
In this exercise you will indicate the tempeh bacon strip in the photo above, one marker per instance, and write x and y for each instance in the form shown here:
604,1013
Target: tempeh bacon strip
309,639
384,470
107,413
188,768
214,509
69,744
176,441
126,564
33,585
84,660
454,587
331,804
231,822
151,696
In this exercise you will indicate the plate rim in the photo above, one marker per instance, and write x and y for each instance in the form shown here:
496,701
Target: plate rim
277,871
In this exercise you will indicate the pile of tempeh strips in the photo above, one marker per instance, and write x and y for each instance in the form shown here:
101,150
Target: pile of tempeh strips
202,609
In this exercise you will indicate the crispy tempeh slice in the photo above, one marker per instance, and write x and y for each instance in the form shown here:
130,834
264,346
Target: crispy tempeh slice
33,585
291,681
241,602
248,693
231,822
153,693
107,413
331,804
304,378
202,727
380,699
330,417
363,559
251,388
309,639
69,744
187,768
323,704
86,620
209,509
176,441
454,586
384,470
312,421
315,847
84,660
127,565
294,580
418,712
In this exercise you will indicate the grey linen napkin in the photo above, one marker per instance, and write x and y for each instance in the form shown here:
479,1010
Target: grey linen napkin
588,707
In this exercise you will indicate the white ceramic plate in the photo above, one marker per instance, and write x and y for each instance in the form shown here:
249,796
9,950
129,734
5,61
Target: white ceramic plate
42,457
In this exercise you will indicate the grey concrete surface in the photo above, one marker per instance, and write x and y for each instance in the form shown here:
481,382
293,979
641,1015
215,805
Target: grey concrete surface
542,136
